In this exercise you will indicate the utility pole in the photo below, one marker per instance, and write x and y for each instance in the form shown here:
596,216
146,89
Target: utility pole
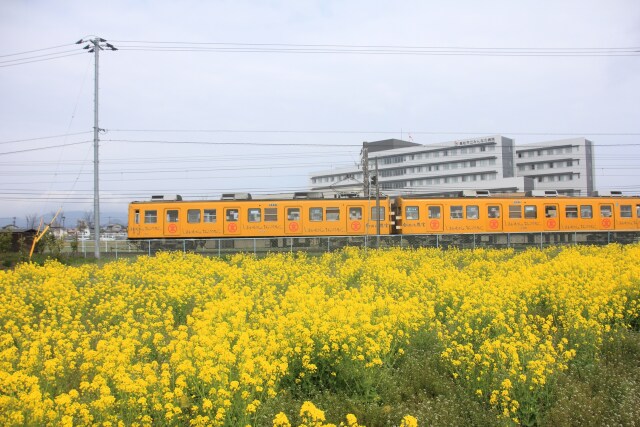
95,49
377,202
365,169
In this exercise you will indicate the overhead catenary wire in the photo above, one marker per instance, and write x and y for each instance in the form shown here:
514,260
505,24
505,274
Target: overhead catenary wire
291,48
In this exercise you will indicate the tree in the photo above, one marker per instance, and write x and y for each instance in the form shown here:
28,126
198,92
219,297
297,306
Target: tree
5,242
33,220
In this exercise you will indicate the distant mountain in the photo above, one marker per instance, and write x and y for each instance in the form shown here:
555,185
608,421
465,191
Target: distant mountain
71,218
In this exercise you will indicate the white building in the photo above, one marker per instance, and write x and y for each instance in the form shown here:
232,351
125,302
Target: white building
485,163
565,165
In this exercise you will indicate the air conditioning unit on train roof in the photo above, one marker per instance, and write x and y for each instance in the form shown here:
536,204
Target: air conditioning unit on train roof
608,193
235,196
166,197
543,193
308,195
475,193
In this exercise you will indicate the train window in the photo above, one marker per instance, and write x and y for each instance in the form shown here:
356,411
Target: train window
255,214
137,217
333,214
412,212
210,215
638,211
270,214
605,211
626,212
355,214
550,211
456,212
315,214
434,212
571,211
586,211
172,215
150,217
472,212
293,214
377,214
193,216
515,211
232,215
493,212
530,212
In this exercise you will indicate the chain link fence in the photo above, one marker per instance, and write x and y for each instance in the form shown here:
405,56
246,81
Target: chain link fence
260,246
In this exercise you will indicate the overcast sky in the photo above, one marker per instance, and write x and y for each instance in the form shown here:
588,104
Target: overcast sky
205,97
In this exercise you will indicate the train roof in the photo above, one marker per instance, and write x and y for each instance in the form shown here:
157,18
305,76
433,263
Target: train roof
247,197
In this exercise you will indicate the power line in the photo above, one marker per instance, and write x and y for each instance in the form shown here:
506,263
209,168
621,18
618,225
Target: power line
36,50
176,46
39,60
375,132
44,137
43,148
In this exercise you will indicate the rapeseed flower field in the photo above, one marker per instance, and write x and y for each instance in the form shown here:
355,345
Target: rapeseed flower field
184,340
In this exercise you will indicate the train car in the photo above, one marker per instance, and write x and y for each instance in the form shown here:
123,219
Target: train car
242,216
515,214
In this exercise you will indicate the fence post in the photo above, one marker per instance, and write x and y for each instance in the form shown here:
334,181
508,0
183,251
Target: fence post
149,242
219,255
328,244
474,241
437,241
116,249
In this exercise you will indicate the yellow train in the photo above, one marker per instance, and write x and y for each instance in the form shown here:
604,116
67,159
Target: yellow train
516,214
242,216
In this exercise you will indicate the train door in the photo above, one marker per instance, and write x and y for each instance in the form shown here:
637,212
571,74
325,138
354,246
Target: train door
293,220
606,216
171,222
551,217
231,222
355,220
494,218
435,216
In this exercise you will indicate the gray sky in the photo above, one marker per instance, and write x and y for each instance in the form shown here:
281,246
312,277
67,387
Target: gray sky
212,87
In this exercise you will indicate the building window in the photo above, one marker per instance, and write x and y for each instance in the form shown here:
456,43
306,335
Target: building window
412,212
172,215
210,215
270,214
193,216
571,211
